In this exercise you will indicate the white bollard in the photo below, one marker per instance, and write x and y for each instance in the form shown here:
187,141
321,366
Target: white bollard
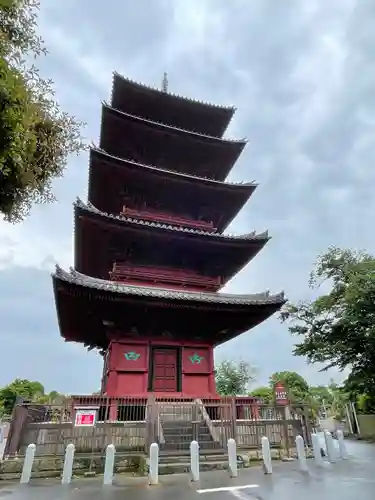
109,464
68,464
28,464
153,476
317,450
329,446
194,460
266,452
301,454
342,445
232,457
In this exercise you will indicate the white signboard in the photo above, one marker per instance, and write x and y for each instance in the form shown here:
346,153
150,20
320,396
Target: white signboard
85,418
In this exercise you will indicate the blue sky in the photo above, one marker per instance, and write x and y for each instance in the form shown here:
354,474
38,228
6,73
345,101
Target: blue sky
302,75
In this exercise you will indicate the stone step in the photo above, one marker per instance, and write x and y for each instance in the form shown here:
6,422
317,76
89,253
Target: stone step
183,467
179,428
183,432
203,453
186,432
185,446
187,439
178,423
203,458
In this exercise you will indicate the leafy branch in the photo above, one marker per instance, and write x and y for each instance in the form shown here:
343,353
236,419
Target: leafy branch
36,136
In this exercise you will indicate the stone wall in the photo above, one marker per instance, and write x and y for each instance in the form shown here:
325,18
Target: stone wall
44,467
366,425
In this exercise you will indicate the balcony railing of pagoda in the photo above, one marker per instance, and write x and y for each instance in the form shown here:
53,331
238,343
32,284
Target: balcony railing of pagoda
123,272
154,216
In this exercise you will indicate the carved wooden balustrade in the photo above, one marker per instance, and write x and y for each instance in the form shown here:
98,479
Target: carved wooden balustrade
166,218
123,272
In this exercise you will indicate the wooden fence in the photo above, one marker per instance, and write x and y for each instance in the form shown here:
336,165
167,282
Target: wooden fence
172,423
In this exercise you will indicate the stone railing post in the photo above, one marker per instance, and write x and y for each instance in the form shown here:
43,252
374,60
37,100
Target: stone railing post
109,464
301,454
194,460
28,464
153,476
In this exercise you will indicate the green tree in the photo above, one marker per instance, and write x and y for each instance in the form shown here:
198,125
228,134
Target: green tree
265,393
53,398
338,327
322,395
30,391
340,398
36,137
26,389
232,379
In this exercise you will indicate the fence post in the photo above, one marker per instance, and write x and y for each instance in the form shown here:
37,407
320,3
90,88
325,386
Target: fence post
329,445
342,446
266,452
232,458
28,464
234,417
284,412
194,460
307,426
153,477
317,449
301,454
68,464
109,464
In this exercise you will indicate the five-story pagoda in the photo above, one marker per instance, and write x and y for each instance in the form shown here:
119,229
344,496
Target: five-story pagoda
150,252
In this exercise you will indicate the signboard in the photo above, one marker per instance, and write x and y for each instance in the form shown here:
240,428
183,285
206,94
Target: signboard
85,418
281,396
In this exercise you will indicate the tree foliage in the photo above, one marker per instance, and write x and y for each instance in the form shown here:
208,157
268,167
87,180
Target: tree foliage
232,379
264,393
322,395
36,137
28,390
338,327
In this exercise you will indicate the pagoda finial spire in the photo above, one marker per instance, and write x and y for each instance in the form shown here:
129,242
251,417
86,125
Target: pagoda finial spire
164,86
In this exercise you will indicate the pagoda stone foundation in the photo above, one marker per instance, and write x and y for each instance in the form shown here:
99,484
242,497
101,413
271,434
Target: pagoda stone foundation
152,255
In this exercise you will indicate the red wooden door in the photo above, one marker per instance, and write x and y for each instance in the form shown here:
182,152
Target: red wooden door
165,370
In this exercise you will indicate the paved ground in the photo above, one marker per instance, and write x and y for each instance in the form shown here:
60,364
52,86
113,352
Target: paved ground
346,480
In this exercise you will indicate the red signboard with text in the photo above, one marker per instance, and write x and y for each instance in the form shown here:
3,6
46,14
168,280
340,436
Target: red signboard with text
85,418
281,396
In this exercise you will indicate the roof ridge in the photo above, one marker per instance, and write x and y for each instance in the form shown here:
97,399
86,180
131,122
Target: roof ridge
182,174
175,96
78,278
249,236
172,127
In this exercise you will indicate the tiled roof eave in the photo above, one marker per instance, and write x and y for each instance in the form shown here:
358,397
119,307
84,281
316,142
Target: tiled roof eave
76,278
251,184
253,236
175,96
239,142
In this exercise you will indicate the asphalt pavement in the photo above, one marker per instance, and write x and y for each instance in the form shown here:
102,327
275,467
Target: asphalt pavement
345,479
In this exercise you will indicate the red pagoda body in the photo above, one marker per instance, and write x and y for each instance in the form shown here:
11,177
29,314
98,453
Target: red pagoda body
150,251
